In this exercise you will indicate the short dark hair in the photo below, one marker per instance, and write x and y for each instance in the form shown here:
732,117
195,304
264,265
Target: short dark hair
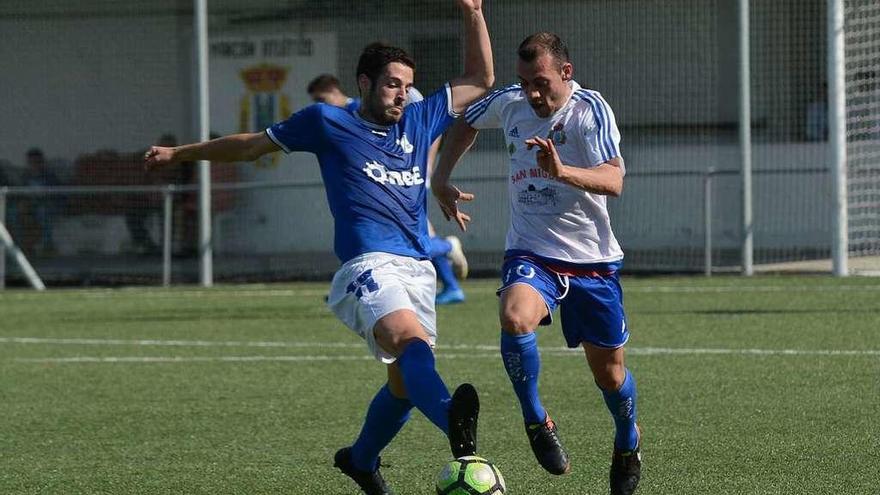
541,43
324,82
35,153
377,55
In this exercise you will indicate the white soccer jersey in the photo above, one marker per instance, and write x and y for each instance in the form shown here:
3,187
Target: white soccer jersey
549,218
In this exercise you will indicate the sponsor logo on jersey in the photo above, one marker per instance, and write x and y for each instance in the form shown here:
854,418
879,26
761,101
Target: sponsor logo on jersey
382,175
404,144
557,135
538,197
514,133
532,173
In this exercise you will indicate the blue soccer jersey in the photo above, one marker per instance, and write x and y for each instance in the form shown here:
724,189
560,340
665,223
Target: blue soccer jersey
374,175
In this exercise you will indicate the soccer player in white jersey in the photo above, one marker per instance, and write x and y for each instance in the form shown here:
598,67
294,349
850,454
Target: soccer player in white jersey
564,162
373,163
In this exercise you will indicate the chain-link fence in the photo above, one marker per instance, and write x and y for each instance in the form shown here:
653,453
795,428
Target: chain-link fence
93,83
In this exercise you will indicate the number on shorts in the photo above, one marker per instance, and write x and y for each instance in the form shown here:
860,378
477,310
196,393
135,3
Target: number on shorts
363,284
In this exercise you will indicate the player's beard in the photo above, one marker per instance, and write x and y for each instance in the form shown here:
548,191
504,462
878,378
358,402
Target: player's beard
541,108
380,113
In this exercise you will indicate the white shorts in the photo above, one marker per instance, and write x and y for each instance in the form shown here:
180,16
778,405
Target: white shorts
372,285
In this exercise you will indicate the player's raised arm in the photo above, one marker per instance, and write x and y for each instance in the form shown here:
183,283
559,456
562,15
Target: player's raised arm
233,148
479,71
458,140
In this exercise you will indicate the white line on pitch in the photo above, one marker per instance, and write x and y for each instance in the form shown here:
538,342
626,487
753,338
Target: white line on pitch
441,355
174,343
196,359
465,347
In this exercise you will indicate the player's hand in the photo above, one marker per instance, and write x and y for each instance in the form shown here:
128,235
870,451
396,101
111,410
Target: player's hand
448,197
158,156
548,157
471,4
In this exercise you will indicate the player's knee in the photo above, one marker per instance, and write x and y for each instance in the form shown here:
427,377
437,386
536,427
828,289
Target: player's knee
396,343
609,377
518,322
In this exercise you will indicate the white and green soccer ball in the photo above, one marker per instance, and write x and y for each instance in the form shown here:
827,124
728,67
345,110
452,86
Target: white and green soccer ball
470,475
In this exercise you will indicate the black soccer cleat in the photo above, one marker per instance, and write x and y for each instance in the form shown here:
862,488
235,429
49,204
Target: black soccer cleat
370,483
626,469
464,408
548,449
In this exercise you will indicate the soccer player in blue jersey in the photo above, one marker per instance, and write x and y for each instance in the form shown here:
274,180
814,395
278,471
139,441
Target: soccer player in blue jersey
447,255
565,161
326,89
373,163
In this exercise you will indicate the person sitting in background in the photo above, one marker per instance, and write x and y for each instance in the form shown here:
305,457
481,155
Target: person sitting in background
139,210
447,255
817,116
42,208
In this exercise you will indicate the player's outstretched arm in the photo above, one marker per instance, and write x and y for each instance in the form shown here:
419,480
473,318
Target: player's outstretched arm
233,148
605,178
458,140
479,69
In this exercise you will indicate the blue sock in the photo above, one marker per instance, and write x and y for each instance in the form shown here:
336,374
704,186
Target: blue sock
523,364
445,273
622,404
424,386
439,247
385,417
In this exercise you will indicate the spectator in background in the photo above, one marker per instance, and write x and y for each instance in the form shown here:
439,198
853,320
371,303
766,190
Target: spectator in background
42,208
186,214
446,253
186,206
817,116
138,211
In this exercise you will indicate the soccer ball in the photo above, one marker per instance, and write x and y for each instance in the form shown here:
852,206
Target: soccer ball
470,475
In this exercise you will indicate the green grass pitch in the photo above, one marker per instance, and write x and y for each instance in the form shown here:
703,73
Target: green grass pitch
768,385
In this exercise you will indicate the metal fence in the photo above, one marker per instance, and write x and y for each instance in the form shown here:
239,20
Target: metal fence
99,248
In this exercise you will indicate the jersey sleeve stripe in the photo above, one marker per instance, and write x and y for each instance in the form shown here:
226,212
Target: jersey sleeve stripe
449,108
276,140
614,149
582,95
477,110
599,107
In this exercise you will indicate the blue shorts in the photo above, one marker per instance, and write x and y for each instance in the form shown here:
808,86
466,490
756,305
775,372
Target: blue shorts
590,297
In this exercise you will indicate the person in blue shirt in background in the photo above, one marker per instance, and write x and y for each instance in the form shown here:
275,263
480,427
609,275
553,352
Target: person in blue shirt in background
374,165
447,254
